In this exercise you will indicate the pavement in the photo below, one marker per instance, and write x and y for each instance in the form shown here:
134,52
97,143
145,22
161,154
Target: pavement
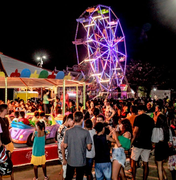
53,169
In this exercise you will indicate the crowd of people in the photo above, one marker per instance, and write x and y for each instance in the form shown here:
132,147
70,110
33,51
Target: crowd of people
104,134
121,127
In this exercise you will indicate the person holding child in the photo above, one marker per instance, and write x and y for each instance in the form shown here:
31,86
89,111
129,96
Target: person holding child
122,144
102,152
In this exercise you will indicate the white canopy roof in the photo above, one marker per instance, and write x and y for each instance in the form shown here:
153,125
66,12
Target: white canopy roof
9,65
17,82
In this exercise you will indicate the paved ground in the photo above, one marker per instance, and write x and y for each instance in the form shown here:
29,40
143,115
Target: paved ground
53,169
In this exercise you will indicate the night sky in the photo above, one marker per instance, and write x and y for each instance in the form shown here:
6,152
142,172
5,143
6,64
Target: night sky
48,28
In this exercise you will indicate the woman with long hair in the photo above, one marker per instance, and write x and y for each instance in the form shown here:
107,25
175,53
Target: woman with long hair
160,137
123,142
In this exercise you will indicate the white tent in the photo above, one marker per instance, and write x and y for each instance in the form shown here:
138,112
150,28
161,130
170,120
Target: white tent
9,65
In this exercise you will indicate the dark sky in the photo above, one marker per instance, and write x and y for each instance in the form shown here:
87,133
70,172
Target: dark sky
30,28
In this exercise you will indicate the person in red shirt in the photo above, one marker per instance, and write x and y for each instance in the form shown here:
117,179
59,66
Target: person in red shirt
23,119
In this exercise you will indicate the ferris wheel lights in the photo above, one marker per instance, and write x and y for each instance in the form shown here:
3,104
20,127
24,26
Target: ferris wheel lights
90,10
96,17
122,59
105,46
104,80
88,25
98,74
89,60
82,20
89,40
103,11
116,69
112,23
100,17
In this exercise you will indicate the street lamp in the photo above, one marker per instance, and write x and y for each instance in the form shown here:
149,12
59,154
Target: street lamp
41,60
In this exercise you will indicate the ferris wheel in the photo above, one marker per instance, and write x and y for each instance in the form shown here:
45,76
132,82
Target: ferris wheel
100,46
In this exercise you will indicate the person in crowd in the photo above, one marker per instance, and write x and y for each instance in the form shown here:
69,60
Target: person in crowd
77,140
117,109
160,137
91,108
124,109
38,149
132,115
109,112
46,101
101,118
5,139
149,108
123,143
90,154
71,108
11,115
17,115
87,105
40,108
141,141
23,119
95,114
36,116
158,111
103,167
172,151
67,123
58,105
59,115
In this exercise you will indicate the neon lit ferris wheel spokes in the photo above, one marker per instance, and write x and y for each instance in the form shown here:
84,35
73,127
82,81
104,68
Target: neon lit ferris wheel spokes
100,32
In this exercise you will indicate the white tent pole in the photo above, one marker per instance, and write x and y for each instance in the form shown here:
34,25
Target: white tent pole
84,95
5,90
63,105
26,94
77,97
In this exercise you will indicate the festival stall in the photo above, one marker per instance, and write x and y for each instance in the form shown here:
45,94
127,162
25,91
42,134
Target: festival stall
12,75
28,78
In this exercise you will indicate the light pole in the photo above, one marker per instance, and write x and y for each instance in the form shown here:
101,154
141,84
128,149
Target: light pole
41,60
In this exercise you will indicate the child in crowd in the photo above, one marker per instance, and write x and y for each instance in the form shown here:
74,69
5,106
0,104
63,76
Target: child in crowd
38,150
102,152
36,116
90,154
17,114
23,119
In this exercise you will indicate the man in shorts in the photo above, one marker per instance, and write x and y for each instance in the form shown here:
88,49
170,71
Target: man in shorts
142,132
